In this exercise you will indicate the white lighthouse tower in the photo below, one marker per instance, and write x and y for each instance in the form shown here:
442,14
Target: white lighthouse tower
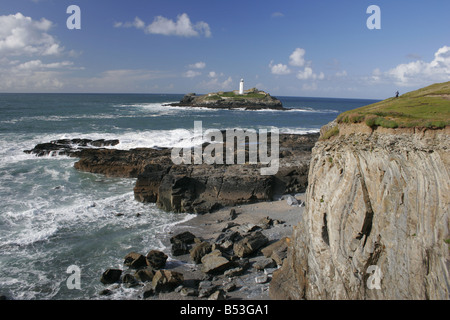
241,87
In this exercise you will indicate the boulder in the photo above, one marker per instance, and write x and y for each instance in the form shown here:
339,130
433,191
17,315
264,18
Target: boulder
156,259
290,200
185,237
129,280
218,295
200,250
135,260
181,243
264,263
206,288
214,263
179,248
145,274
166,281
277,250
249,244
111,276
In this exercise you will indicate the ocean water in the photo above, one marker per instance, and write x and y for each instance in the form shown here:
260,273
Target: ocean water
53,216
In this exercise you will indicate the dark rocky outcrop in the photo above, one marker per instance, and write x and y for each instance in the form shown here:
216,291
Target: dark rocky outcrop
111,276
191,188
69,146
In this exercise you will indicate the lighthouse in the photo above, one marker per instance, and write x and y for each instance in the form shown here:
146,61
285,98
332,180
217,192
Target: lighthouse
241,87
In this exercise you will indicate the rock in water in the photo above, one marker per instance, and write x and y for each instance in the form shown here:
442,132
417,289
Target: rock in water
111,276
135,260
156,259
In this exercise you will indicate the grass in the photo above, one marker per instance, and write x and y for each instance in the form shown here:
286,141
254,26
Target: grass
428,107
330,133
231,94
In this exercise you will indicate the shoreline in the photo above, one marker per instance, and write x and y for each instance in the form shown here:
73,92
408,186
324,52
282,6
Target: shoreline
209,226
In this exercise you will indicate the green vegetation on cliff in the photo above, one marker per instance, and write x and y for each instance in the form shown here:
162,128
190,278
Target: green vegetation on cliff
428,107
250,94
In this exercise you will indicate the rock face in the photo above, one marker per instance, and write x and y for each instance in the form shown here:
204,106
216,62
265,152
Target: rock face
253,99
191,188
205,188
376,221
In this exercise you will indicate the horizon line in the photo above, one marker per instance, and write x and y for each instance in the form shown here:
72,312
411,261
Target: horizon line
148,93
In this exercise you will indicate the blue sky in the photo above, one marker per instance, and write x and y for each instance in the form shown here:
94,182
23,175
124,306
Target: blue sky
289,48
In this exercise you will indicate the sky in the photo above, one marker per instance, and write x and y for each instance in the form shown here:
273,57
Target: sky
323,48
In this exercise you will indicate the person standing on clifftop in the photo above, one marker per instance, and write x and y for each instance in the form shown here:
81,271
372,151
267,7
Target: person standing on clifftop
396,94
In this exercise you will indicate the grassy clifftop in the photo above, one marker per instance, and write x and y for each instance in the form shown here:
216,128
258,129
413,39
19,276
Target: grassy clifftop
428,107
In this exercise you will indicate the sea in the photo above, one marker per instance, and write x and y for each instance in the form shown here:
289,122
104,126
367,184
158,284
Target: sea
54,218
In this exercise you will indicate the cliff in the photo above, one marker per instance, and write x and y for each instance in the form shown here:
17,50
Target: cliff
252,99
376,221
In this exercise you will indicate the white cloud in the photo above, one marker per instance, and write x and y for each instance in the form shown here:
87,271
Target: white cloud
419,72
342,73
31,76
308,74
279,69
197,65
38,65
182,27
218,84
277,15
191,74
297,58
212,74
21,35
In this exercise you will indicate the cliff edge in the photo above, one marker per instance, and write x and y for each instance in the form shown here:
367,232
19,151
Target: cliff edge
376,221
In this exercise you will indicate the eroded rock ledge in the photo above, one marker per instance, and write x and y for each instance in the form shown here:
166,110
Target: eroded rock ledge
193,188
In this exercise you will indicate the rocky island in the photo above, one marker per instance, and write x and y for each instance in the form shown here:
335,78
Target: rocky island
252,99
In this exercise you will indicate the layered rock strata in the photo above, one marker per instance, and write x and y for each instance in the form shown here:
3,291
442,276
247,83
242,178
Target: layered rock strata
376,221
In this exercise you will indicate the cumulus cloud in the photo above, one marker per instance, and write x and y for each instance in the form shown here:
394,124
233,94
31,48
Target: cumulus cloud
182,26
279,69
218,82
197,65
419,71
297,58
28,52
31,76
21,35
191,74
308,74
